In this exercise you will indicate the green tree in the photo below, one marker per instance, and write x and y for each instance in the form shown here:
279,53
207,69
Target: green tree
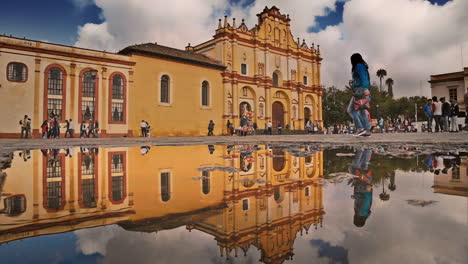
389,82
381,73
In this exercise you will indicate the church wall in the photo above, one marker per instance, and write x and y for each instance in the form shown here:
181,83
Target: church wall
175,118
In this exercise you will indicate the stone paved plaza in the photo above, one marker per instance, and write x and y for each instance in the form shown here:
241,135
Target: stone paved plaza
449,140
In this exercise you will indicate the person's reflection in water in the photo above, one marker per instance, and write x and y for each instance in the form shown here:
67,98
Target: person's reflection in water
144,150
211,149
362,183
229,149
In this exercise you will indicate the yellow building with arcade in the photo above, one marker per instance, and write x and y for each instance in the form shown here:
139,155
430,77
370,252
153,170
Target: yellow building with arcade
260,71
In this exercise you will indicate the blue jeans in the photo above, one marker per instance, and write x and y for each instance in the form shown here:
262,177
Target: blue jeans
360,117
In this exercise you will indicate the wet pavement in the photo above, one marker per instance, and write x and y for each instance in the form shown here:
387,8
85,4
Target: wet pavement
429,139
236,203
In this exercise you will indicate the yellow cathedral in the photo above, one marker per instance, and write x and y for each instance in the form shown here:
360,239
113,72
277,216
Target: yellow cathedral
261,71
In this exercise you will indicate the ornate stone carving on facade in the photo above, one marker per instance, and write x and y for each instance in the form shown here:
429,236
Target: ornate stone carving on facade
278,61
293,75
243,27
244,56
261,68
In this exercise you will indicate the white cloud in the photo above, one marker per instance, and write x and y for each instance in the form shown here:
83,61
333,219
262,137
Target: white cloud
410,39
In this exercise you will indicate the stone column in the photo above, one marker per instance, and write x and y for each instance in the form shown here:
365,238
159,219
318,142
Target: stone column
300,96
36,119
72,99
104,102
268,103
72,181
235,100
130,119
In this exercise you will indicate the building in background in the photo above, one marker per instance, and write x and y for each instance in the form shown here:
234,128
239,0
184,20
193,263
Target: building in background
260,73
451,86
268,72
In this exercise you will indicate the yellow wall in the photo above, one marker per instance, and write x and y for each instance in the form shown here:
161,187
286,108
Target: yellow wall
18,99
184,115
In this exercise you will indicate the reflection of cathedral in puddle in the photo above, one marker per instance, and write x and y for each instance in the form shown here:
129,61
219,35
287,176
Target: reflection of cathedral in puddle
271,198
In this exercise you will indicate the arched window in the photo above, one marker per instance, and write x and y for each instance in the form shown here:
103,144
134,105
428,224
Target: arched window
17,72
205,93
15,205
165,186
88,106
117,177
306,80
165,89
118,99
275,79
55,91
206,187
54,182
87,180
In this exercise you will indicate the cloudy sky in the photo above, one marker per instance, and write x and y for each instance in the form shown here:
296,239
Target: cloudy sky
411,39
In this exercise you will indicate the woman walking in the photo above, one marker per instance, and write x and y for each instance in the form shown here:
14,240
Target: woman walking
360,101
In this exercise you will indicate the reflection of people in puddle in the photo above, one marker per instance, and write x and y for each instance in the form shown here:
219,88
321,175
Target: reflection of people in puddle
25,154
211,149
144,150
362,183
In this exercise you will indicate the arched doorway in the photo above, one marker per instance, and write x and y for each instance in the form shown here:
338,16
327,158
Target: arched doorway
306,115
244,108
279,161
278,114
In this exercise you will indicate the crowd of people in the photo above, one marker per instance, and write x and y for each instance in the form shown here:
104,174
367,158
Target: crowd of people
50,128
443,114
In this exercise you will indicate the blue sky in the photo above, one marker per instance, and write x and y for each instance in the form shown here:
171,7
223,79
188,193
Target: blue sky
58,20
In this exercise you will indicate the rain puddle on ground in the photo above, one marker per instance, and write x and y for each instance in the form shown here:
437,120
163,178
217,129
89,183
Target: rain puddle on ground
233,204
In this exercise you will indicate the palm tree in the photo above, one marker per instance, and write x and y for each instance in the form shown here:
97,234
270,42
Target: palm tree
389,82
381,73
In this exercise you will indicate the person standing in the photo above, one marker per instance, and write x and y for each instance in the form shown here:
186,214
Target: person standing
429,115
44,128
211,126
67,128
254,128
228,128
56,127
269,127
96,129
71,126
83,130
381,125
360,101
280,128
454,111
28,127
24,127
143,126
91,129
445,114
437,111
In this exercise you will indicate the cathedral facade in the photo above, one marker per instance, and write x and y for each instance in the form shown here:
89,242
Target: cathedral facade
268,72
259,73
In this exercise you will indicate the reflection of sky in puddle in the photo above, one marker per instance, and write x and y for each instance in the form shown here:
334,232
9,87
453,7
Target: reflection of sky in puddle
395,230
